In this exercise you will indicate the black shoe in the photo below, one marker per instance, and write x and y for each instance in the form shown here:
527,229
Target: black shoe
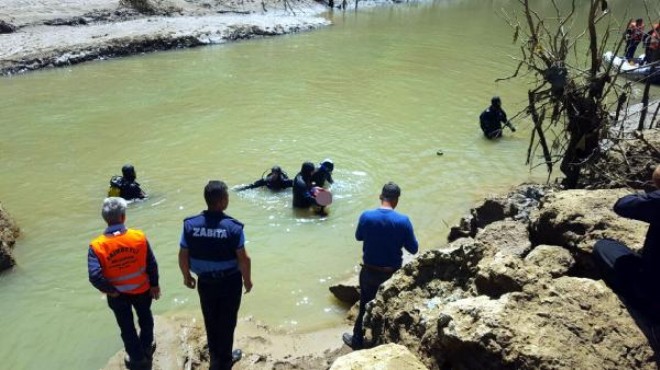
149,351
236,356
349,341
142,364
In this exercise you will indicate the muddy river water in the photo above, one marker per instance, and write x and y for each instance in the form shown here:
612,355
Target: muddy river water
380,93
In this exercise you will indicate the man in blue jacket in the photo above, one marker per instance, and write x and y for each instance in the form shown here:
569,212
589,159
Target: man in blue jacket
633,275
384,232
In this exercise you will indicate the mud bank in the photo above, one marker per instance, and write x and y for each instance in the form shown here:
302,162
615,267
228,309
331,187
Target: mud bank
38,47
9,232
50,33
181,344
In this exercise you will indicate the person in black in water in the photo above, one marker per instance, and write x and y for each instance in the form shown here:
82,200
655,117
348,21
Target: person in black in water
125,186
276,180
492,118
323,173
303,196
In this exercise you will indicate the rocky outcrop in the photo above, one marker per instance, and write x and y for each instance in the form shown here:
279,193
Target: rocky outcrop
6,27
385,357
517,205
347,291
516,294
9,232
576,219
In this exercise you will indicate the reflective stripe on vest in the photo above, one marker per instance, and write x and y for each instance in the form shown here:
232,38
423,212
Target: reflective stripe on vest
123,260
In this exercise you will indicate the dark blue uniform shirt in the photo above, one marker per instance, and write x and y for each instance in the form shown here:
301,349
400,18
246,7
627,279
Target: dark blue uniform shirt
212,239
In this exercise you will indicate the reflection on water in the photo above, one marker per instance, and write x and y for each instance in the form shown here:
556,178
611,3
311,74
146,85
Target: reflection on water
380,93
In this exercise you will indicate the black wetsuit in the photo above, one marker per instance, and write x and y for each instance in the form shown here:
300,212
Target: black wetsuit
321,176
128,190
302,192
272,182
491,121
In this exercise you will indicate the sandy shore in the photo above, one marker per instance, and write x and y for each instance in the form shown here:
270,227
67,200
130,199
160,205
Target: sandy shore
53,33
181,341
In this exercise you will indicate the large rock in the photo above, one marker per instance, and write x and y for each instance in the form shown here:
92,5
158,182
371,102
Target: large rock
551,259
9,231
566,323
6,27
517,205
512,296
347,291
576,219
385,357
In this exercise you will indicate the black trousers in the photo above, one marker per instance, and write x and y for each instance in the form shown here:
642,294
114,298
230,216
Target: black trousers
370,281
220,299
137,346
631,47
622,271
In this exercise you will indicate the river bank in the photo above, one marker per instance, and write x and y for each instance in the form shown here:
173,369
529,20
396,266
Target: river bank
47,33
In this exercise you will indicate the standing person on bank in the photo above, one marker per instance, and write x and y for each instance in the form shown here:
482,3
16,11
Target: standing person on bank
384,232
122,265
213,247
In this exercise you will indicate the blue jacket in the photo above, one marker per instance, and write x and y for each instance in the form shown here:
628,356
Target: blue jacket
384,232
646,208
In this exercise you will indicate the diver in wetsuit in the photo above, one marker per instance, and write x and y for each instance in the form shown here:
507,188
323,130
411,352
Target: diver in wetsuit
125,186
492,118
323,173
276,180
303,196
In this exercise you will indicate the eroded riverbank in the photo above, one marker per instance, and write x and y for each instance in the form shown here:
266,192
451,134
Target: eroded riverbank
56,36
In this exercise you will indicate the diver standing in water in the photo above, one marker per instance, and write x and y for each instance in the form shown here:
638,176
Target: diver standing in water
323,173
492,118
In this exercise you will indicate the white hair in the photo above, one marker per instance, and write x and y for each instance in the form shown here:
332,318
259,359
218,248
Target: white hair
114,208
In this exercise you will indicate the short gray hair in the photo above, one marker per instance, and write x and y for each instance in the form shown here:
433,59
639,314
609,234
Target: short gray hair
114,208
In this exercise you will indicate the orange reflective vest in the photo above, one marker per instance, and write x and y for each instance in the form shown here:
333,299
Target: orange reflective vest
123,260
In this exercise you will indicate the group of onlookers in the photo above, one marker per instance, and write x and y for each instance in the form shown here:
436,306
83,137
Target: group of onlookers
213,259
635,34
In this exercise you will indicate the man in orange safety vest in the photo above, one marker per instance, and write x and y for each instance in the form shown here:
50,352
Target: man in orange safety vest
122,265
